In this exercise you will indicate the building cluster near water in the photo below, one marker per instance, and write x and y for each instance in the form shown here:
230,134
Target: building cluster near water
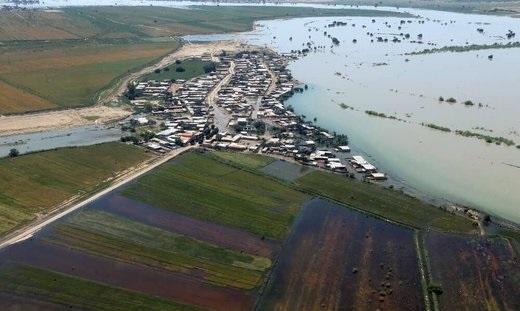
240,106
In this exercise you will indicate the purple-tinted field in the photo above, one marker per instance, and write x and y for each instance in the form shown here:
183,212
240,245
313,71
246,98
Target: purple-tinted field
475,273
338,259
220,235
179,287
17,303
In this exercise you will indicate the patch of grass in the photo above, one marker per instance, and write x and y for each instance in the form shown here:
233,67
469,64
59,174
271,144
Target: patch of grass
79,293
198,186
35,183
249,160
382,202
192,68
125,240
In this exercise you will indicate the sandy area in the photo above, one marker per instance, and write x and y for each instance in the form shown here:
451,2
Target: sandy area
37,122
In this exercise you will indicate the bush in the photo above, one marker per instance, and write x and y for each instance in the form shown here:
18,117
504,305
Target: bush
14,153
178,62
180,69
157,70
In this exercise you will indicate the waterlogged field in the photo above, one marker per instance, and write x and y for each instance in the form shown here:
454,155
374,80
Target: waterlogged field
69,74
382,202
475,273
337,258
35,183
196,185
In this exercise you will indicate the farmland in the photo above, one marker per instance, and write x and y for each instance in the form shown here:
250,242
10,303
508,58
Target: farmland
336,257
57,291
475,272
69,74
198,186
386,203
34,183
192,68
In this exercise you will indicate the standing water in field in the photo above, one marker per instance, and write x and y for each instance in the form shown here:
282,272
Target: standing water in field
371,69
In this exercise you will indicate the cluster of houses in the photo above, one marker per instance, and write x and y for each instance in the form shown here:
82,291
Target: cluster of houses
250,90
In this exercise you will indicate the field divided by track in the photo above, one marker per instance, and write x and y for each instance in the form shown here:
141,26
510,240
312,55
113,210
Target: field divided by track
35,183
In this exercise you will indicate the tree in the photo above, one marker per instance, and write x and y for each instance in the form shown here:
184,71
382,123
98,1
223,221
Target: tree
180,69
178,62
13,153
157,70
209,67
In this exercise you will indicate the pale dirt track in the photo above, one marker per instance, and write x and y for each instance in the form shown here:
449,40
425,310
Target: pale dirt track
43,221
38,122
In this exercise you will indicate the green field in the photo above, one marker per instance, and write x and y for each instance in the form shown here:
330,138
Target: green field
249,160
108,235
193,68
35,183
79,293
198,186
382,202
72,74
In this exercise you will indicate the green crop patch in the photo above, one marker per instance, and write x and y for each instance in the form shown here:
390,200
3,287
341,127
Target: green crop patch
79,293
199,186
382,202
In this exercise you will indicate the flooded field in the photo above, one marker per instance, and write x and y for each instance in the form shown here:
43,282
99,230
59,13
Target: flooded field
337,259
475,273
286,170
17,303
369,69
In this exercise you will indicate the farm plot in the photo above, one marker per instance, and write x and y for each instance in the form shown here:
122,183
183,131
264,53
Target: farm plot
71,74
385,203
35,183
29,288
475,273
336,258
108,235
212,233
15,100
198,186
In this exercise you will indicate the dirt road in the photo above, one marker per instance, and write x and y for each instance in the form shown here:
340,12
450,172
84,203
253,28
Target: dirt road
28,231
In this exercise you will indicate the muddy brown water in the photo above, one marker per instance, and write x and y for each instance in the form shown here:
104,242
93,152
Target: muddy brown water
181,288
338,259
201,230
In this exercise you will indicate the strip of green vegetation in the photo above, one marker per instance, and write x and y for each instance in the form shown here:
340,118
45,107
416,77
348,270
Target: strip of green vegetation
248,160
198,186
386,203
381,115
489,139
436,127
35,183
185,69
467,48
79,293
125,240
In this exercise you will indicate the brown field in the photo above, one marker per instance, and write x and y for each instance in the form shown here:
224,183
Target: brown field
337,259
220,235
15,100
475,273
179,287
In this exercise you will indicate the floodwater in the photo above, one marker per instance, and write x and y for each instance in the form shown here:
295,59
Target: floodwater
286,170
379,76
77,136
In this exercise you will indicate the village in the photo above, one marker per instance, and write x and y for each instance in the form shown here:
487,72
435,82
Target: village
239,106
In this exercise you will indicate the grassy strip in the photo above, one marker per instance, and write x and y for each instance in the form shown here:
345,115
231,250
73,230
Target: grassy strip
116,237
467,48
201,187
192,68
246,160
382,202
35,183
436,127
79,293
487,138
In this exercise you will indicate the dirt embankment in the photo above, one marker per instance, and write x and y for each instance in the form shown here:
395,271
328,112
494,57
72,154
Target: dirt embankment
100,114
